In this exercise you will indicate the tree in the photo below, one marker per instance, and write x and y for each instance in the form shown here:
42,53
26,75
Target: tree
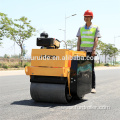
111,52
5,23
15,56
114,52
107,49
6,56
24,52
71,43
20,31
102,47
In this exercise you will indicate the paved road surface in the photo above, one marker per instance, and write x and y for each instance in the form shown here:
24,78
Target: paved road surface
16,103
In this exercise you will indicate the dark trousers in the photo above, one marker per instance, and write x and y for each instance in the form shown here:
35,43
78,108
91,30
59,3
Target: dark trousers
93,71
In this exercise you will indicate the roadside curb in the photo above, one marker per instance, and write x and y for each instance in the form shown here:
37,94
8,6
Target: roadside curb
106,68
12,72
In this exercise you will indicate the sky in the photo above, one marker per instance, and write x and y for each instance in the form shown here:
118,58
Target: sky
49,16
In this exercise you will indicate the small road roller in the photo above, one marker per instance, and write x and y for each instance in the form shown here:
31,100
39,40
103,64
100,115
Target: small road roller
58,75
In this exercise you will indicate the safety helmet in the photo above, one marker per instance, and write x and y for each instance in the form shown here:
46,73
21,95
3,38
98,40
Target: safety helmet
88,13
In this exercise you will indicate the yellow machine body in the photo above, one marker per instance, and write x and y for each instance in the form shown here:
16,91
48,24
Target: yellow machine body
52,62
62,57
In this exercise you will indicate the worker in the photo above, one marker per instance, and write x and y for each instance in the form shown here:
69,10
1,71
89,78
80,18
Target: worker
87,41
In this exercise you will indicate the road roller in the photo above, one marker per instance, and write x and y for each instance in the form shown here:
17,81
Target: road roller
58,75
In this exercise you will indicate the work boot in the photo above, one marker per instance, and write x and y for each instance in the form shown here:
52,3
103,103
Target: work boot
93,90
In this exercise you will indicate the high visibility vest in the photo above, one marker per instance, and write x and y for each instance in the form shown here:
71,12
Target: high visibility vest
87,36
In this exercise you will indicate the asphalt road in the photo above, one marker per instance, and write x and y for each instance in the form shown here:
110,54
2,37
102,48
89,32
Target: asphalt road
16,103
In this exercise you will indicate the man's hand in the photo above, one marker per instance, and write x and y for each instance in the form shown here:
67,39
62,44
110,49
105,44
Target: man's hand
94,47
93,53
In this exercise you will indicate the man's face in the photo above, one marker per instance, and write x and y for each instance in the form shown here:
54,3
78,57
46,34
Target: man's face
87,18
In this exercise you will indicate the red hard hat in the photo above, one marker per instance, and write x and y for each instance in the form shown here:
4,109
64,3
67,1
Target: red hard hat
88,13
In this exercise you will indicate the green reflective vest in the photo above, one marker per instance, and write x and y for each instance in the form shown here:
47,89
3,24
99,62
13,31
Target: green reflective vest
87,36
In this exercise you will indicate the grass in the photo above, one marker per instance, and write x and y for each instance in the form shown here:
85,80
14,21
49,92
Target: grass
97,64
106,64
7,65
17,65
27,64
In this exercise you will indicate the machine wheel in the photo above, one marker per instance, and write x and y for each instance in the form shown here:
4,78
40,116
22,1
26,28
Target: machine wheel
44,92
79,98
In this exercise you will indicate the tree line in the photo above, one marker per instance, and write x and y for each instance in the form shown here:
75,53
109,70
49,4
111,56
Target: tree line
108,50
102,49
18,30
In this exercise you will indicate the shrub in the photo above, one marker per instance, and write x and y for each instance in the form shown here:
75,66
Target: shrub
107,64
16,66
27,64
0,65
96,64
5,66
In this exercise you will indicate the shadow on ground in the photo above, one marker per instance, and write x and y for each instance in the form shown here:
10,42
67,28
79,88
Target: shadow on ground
41,104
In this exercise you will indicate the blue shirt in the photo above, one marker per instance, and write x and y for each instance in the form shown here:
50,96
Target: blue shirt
88,27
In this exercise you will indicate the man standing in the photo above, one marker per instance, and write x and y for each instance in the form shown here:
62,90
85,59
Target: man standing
88,39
